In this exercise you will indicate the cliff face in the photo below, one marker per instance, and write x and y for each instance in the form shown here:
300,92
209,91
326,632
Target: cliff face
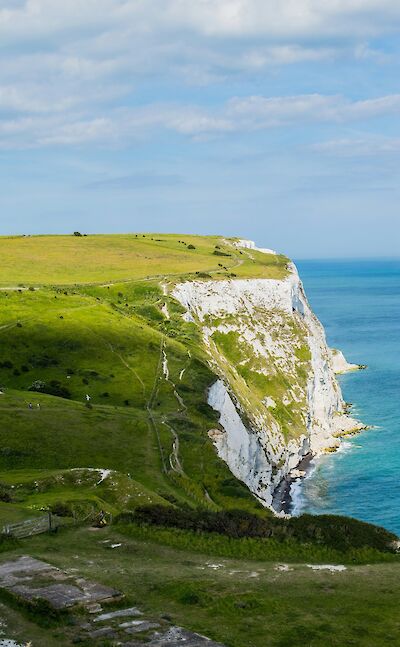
276,391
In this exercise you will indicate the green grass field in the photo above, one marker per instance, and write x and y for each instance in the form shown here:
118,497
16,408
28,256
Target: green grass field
66,260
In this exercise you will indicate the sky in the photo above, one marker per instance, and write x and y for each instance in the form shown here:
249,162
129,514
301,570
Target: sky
275,120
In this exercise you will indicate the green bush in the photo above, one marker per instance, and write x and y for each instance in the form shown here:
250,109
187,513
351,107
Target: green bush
62,509
6,493
53,388
217,252
338,533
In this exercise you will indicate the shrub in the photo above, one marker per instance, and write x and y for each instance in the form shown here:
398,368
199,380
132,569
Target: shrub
53,388
217,252
191,246
43,361
61,509
6,364
77,233
5,493
338,533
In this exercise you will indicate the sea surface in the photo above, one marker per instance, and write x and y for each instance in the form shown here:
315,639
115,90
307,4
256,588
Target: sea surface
358,302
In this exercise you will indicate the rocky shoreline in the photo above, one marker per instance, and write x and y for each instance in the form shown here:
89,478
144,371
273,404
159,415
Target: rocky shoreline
283,501
283,496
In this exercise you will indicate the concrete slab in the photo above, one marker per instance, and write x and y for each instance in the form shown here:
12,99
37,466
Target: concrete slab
178,637
138,626
103,632
24,565
29,579
121,613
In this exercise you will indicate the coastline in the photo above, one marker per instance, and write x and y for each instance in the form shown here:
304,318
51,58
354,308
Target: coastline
283,499
285,494
360,308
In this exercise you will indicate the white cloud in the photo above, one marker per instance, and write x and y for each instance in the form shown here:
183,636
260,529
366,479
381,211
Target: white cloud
261,112
121,126
61,54
35,18
367,146
79,64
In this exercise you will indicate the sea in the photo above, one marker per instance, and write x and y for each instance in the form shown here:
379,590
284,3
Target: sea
358,302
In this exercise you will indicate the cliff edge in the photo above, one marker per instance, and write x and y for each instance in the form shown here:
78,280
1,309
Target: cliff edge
276,393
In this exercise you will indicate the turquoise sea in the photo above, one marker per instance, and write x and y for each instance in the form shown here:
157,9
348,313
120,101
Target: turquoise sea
358,303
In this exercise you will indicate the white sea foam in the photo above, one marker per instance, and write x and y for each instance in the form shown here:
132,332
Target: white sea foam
345,447
297,491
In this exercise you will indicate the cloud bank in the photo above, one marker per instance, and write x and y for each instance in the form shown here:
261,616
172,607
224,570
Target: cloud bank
121,126
72,73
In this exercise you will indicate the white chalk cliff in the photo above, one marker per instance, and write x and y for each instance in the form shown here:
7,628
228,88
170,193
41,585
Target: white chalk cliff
276,392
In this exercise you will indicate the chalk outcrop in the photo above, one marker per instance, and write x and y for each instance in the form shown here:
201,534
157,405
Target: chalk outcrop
276,392
249,244
339,363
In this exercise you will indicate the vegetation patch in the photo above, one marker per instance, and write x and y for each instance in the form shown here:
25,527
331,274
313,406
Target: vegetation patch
338,533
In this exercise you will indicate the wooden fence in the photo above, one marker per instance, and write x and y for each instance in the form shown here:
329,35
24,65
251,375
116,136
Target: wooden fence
34,526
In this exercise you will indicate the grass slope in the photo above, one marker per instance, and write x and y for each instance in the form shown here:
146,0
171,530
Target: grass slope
92,323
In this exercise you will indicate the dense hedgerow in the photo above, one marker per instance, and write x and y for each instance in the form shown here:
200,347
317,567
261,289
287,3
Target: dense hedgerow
339,533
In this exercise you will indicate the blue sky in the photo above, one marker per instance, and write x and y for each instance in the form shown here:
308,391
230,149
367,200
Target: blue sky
276,120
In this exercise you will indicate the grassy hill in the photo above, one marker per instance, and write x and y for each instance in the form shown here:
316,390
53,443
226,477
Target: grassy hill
86,316
66,260
83,315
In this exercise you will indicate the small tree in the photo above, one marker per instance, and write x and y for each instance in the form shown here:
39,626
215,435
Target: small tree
77,233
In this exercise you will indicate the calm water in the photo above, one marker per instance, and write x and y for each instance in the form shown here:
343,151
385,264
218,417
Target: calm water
358,302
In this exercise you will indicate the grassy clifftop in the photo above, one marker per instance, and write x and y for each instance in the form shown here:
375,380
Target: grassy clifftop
85,316
66,260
